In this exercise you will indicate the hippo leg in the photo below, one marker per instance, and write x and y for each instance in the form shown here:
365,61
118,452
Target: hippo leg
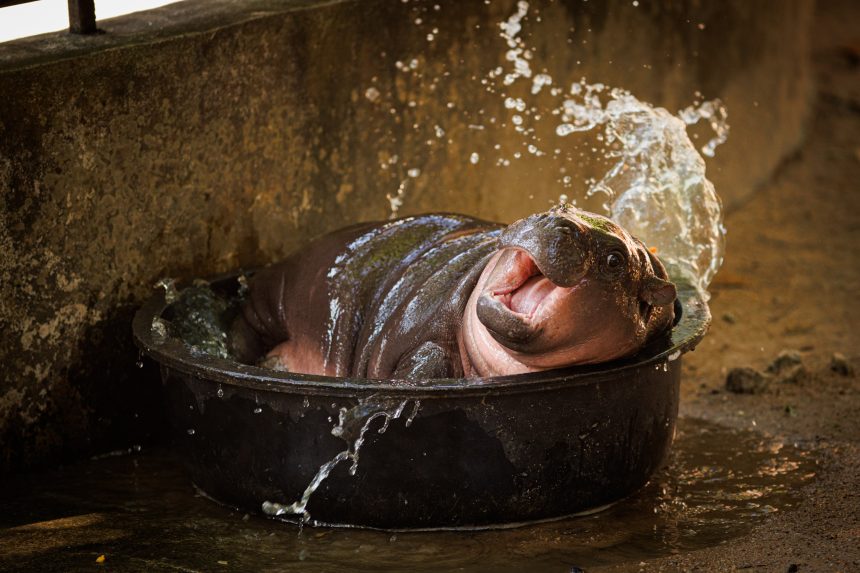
429,360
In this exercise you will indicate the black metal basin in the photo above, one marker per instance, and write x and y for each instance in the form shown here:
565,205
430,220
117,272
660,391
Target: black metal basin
454,453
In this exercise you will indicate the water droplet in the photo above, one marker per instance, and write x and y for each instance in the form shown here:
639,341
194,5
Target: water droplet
372,93
159,328
190,431
564,129
515,103
539,81
220,392
170,292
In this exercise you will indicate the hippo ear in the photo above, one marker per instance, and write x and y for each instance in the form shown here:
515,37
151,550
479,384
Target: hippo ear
658,292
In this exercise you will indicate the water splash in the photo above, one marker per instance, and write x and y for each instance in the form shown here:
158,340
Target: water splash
352,426
518,54
655,186
651,177
169,286
159,329
199,319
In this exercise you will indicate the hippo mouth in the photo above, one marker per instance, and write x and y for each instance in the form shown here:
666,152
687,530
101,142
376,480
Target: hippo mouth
528,289
512,305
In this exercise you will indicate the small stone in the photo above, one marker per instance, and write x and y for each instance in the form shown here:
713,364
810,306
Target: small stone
840,365
797,374
785,360
746,381
793,568
729,318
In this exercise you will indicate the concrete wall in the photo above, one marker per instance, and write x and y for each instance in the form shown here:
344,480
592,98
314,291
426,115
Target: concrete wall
212,135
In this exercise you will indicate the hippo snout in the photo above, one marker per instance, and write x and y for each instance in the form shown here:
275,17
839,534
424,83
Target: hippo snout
559,246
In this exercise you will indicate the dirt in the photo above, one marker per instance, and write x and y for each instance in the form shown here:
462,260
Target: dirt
790,283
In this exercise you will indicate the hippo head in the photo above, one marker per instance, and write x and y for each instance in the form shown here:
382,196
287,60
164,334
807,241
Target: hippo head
566,287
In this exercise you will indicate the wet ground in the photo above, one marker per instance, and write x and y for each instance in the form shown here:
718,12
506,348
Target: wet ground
139,511
739,493
791,281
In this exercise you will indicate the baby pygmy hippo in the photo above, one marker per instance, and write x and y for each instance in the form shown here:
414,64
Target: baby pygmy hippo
443,295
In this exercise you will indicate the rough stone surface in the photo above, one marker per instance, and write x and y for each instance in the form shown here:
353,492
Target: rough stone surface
785,360
214,135
797,374
746,380
840,364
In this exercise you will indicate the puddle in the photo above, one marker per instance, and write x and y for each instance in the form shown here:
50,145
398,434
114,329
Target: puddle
141,512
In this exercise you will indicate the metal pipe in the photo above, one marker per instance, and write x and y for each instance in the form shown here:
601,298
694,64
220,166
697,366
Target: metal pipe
82,17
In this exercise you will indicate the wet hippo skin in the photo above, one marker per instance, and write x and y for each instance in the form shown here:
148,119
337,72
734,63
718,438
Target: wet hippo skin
445,295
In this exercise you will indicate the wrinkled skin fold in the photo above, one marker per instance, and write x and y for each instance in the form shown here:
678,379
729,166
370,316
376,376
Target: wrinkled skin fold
446,295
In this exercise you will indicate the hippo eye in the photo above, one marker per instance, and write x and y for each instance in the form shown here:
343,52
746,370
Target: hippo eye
614,261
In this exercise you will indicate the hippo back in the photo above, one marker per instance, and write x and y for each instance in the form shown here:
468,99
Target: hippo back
362,297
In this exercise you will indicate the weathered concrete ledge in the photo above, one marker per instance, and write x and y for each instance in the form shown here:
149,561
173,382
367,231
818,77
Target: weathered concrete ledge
207,136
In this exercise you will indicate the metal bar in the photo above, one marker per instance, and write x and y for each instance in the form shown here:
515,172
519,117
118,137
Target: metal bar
82,17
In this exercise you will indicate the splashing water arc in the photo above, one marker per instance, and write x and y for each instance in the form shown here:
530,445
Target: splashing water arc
656,186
